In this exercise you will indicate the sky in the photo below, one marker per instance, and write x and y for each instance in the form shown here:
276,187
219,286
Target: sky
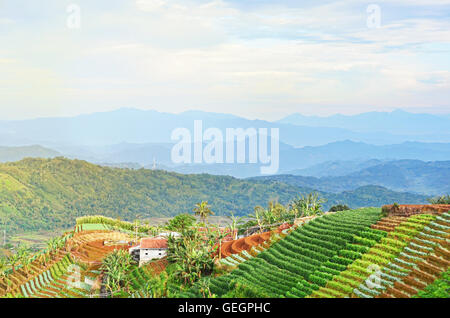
253,58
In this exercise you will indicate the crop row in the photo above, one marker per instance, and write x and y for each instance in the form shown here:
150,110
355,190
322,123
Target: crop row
42,281
381,249
411,271
305,258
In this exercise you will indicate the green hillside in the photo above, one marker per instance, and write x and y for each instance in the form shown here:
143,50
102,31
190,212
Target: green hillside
48,193
39,194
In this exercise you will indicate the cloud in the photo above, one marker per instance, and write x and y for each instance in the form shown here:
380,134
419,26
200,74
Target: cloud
250,58
151,5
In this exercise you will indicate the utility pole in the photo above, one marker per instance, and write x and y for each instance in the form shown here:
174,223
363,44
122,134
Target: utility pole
136,231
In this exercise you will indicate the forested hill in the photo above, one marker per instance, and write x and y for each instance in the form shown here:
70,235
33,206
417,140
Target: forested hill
50,193
43,193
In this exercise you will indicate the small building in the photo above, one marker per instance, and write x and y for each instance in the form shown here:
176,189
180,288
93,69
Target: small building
171,234
149,249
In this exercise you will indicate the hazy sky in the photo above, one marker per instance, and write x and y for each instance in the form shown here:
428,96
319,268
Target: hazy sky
254,58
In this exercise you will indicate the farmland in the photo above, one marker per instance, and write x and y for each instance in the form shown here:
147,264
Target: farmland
361,253
345,255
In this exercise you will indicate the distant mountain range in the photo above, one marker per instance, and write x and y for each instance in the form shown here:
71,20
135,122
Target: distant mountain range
8,154
354,169
292,160
336,168
403,175
338,153
397,122
138,126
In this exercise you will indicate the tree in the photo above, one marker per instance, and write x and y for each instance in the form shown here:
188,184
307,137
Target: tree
339,207
180,222
258,217
443,199
307,205
25,258
3,275
193,253
234,224
115,266
203,210
13,260
53,245
3,267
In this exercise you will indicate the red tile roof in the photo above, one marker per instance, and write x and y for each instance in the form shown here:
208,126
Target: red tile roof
153,243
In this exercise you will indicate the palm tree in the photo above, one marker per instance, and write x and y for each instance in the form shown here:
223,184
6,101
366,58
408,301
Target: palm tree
203,210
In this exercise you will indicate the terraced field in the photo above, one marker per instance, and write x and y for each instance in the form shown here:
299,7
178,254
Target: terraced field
378,255
347,254
72,273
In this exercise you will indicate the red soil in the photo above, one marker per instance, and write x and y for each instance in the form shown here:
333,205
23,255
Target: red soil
243,244
158,266
94,252
408,210
388,224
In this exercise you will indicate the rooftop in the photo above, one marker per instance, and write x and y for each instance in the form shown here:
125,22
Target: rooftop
154,243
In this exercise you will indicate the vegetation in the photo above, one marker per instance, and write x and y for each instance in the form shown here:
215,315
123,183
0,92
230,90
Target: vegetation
339,207
181,222
48,194
52,193
307,205
276,213
115,266
113,223
351,253
297,262
440,288
193,253
203,210
443,199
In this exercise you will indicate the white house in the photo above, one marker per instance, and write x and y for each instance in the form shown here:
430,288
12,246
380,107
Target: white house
149,249
167,234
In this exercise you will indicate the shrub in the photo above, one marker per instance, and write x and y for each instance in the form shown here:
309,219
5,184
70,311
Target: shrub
339,207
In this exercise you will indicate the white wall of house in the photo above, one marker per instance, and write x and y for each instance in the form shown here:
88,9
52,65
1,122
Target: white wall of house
152,253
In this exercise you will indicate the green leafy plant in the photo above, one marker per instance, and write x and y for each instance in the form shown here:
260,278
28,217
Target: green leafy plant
180,222
193,253
307,205
443,199
115,267
339,207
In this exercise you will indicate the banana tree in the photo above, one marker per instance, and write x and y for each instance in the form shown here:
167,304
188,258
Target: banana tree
13,261
3,268
234,224
25,258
